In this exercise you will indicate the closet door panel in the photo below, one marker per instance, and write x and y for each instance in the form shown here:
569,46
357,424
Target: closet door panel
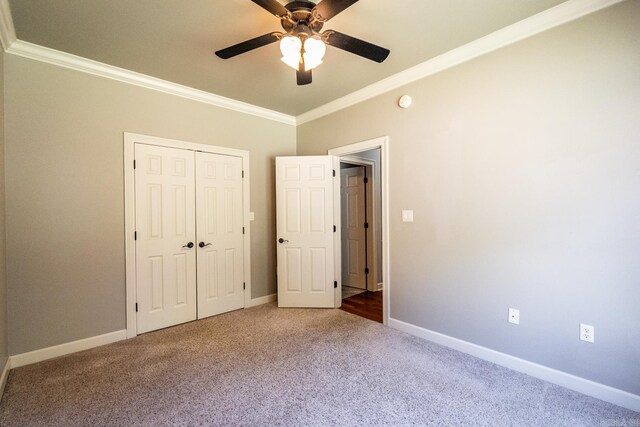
220,239
165,225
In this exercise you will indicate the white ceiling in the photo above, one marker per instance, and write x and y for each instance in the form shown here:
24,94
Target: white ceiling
175,40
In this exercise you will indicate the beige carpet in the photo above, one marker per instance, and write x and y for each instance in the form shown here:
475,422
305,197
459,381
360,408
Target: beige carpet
269,366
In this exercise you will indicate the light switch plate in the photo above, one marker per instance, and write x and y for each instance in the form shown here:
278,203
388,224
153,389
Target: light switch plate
407,216
252,216
514,316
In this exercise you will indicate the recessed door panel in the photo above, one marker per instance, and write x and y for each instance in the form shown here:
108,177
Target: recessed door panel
317,210
291,210
293,269
157,283
210,266
181,279
318,269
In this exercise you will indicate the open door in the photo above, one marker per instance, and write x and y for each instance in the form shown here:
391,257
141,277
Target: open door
306,231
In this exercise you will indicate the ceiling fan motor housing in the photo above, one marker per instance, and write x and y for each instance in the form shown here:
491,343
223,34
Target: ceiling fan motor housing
301,16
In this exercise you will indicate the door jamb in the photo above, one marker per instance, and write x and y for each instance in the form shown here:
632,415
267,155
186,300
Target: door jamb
383,144
372,219
130,139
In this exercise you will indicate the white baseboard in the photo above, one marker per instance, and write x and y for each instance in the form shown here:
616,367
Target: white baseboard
581,385
262,300
62,349
5,376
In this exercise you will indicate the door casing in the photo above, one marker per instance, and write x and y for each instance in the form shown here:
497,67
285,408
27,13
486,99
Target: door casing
372,218
130,139
362,233
383,144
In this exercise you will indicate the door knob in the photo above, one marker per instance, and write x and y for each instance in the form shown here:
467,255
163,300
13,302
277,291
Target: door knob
188,245
203,244
281,240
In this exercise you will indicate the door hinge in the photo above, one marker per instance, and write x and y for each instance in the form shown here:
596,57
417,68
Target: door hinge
366,180
366,270
334,229
334,172
243,174
366,225
335,284
136,307
242,230
244,286
135,235
134,164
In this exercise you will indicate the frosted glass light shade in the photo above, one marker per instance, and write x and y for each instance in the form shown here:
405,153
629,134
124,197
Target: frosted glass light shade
290,47
314,50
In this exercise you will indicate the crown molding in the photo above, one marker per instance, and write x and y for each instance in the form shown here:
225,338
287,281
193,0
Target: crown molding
550,18
67,60
7,31
558,15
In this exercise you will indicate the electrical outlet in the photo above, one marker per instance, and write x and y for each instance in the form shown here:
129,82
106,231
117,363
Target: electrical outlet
586,332
514,316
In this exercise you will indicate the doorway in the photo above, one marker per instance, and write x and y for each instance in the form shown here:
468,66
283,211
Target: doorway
360,242
354,227
363,260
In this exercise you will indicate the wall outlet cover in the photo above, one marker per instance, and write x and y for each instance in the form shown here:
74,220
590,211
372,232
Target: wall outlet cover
587,332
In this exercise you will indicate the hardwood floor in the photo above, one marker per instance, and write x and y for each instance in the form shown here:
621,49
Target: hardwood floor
367,304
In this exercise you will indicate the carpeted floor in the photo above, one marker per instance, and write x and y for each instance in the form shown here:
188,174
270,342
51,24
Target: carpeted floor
268,366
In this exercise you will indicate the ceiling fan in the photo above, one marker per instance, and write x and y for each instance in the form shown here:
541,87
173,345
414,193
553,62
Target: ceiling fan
302,44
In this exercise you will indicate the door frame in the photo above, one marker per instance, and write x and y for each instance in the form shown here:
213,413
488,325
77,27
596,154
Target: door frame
130,139
372,217
383,144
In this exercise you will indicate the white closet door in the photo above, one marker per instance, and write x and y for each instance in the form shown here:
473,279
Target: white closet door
220,235
305,221
165,227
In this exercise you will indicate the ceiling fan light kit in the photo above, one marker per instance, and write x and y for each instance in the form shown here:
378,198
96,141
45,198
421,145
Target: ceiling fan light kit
303,45
295,53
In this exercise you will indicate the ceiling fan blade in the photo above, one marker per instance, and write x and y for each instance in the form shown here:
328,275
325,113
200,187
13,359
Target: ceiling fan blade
327,9
357,46
272,6
248,45
303,77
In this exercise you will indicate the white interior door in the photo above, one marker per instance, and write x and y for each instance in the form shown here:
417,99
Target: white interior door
220,234
165,228
353,213
305,231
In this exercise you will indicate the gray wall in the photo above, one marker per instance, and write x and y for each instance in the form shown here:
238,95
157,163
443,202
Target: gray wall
523,168
4,351
65,208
